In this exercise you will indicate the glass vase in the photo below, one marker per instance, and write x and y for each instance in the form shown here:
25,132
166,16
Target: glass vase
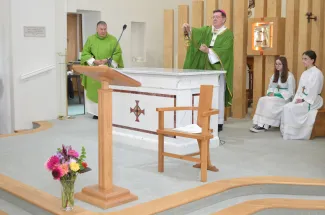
67,194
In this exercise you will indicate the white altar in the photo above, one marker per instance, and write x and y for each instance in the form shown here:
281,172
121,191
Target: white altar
135,119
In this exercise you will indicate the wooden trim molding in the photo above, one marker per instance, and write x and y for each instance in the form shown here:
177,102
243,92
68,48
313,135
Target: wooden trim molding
52,204
254,206
40,126
36,72
39,198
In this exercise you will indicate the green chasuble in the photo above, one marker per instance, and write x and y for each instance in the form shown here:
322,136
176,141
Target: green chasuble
223,47
99,48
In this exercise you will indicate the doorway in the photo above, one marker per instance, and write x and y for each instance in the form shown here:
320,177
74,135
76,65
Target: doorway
80,26
75,91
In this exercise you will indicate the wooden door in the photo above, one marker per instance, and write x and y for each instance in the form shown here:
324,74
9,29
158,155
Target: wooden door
72,43
74,40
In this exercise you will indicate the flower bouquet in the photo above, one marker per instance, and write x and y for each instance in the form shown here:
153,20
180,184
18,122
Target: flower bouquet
65,165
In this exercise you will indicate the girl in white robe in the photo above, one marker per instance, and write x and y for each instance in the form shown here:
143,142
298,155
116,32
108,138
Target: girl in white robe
280,92
299,116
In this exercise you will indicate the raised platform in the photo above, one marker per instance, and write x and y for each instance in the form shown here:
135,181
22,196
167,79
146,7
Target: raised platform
198,198
37,127
244,154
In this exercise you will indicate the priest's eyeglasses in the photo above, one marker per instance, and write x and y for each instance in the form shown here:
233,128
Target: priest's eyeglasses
216,17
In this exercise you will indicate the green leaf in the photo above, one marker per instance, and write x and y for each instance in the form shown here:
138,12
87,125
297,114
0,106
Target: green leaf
85,170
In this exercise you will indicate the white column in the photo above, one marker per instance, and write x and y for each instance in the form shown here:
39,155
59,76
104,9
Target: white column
6,91
60,49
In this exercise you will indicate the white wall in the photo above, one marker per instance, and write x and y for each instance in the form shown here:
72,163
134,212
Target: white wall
6,113
118,13
150,12
36,98
89,22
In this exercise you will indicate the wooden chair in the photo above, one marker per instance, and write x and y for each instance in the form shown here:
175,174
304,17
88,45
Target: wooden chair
319,125
203,138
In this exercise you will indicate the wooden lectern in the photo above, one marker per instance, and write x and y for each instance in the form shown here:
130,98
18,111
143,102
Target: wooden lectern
105,194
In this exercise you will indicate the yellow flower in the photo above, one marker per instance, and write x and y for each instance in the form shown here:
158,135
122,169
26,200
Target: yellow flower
74,166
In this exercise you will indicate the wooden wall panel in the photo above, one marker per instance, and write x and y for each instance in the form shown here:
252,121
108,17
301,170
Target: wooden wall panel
260,8
258,79
227,6
274,8
291,35
240,59
259,61
303,34
183,17
323,57
210,6
269,71
169,38
197,13
317,30
317,35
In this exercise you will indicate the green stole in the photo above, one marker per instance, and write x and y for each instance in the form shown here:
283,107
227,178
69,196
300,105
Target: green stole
223,47
99,48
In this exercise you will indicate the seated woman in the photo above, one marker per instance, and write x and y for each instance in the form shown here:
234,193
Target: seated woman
280,92
299,116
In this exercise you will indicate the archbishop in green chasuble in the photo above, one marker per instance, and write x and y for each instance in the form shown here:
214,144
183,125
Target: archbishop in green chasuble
211,48
98,48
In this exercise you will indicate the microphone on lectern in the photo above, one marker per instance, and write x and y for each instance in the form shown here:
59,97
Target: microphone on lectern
109,60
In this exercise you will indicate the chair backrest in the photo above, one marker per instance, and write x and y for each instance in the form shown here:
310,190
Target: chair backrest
205,104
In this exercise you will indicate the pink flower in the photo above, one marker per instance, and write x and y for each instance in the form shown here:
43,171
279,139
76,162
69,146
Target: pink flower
65,168
57,173
52,162
73,153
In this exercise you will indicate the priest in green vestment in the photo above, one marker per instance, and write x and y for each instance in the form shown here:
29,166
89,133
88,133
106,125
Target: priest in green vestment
211,48
98,48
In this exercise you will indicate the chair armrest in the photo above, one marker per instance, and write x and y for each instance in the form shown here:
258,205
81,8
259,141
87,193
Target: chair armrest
210,112
176,108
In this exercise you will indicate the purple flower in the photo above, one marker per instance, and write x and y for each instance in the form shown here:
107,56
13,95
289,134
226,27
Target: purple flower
65,150
59,155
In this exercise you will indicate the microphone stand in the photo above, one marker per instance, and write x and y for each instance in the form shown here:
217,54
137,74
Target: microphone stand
109,60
